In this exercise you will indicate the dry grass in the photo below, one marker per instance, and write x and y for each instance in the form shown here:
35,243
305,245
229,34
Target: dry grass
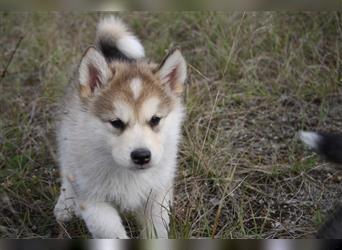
255,79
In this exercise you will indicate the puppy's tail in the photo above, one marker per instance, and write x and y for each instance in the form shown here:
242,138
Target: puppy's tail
325,144
116,42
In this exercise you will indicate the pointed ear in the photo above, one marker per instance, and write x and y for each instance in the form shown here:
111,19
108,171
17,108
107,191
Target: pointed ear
172,71
93,72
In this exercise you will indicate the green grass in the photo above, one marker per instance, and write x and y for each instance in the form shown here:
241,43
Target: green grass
255,79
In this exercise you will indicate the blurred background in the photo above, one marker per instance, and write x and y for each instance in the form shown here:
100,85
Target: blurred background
255,79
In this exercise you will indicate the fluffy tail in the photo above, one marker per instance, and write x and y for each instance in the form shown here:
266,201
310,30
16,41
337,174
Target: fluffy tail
327,145
116,42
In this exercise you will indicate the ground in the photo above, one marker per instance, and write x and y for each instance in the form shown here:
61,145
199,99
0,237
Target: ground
255,79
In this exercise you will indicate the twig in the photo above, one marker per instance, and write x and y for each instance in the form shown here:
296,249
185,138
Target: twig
4,72
224,196
63,229
207,131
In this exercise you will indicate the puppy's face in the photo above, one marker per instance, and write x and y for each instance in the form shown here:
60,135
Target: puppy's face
134,109
138,105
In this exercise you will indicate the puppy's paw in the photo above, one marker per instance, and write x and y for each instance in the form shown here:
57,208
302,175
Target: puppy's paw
108,230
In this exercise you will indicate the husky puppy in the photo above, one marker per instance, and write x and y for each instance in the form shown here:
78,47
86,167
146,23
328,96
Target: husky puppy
328,145
118,135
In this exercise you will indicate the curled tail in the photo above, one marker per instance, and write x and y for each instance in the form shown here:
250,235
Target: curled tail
116,42
325,144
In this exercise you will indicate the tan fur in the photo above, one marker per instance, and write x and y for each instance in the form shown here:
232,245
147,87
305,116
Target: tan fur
71,178
85,91
119,89
82,206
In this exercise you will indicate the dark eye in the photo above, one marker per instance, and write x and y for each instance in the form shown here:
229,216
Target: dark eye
117,123
154,121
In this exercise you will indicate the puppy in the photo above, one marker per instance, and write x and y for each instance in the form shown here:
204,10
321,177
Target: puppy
118,135
328,145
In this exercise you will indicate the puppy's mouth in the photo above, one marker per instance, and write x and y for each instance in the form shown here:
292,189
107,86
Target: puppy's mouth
137,167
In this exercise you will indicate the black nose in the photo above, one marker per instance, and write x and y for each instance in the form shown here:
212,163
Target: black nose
141,156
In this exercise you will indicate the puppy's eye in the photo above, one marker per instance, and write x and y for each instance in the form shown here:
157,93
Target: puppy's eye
155,121
117,123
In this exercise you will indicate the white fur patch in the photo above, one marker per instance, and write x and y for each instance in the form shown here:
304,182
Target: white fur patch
136,86
150,107
123,111
310,138
131,47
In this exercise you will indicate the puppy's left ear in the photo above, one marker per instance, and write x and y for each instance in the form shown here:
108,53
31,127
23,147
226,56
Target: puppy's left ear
172,72
93,72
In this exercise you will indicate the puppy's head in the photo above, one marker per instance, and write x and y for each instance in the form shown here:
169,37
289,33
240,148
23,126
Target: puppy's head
137,106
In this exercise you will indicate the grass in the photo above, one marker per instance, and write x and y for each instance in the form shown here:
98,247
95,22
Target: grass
255,79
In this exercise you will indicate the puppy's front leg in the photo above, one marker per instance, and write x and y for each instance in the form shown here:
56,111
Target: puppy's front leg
102,220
